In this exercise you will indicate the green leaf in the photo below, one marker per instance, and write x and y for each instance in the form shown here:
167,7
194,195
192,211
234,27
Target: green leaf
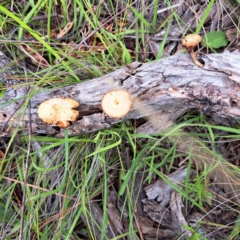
2,90
215,40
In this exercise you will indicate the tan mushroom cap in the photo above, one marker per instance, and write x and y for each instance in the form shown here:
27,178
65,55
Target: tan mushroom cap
58,111
191,41
116,103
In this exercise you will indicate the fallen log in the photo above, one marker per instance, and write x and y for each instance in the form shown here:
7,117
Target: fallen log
160,86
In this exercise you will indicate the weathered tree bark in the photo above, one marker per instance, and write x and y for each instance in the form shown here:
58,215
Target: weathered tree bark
160,86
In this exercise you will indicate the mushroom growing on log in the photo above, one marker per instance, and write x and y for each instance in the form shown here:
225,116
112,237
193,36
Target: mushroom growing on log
58,111
169,85
190,42
162,89
116,104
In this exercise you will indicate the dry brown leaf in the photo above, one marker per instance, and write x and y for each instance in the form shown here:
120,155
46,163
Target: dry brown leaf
65,30
82,47
35,56
73,50
69,46
1,154
51,35
122,23
97,48
109,27
231,34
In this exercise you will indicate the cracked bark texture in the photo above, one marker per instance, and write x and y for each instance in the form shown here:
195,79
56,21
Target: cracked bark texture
168,86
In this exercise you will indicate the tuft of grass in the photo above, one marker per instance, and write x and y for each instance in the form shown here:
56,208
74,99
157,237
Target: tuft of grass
67,176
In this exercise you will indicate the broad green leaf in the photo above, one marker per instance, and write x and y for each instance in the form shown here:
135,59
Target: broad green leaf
215,40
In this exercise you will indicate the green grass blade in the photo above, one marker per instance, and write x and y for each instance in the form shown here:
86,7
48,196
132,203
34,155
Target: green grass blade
35,35
208,9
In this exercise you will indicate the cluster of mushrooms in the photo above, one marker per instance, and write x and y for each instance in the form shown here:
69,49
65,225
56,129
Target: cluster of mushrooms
115,104
60,111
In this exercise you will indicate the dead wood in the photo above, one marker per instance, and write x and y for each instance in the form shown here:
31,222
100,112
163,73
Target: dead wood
114,214
178,220
161,191
219,170
160,86
96,223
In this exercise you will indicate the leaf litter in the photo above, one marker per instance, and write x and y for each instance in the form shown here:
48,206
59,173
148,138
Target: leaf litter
164,213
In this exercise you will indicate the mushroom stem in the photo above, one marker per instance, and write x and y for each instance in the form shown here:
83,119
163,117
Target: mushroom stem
193,56
190,42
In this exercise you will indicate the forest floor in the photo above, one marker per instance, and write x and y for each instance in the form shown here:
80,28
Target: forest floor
117,183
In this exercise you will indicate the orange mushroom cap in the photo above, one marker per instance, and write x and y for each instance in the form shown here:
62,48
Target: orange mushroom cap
116,103
191,41
58,111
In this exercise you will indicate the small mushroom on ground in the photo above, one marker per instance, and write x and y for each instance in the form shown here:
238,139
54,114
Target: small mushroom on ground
58,111
190,42
116,103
